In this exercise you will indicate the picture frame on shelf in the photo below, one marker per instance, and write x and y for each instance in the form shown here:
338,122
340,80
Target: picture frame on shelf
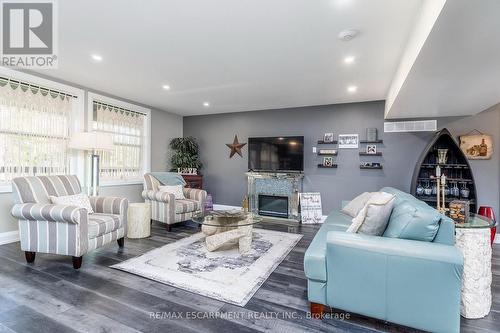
328,161
371,134
348,140
327,152
328,138
371,149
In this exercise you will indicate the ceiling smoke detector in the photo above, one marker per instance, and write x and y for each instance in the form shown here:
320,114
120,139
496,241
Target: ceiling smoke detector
347,35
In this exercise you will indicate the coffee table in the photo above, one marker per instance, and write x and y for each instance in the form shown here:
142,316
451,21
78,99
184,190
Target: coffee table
227,228
473,240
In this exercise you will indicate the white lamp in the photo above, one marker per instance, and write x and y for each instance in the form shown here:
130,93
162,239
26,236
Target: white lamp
92,141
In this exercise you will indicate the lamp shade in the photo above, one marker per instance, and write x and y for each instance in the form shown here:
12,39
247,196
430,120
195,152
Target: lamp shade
91,141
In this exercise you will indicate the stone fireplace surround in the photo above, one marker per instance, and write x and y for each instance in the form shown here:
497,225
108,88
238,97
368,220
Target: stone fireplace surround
278,184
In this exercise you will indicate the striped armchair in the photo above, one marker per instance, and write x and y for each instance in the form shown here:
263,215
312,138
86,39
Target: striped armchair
62,229
164,207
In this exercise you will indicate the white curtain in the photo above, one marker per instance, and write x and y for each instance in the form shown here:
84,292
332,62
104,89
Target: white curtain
34,131
125,162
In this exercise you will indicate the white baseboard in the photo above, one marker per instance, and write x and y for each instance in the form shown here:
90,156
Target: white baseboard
9,237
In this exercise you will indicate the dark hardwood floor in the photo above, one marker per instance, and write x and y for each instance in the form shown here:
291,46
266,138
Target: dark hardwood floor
50,296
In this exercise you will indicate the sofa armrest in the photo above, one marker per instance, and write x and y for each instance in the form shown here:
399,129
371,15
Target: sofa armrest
109,205
428,251
158,196
195,194
392,279
48,212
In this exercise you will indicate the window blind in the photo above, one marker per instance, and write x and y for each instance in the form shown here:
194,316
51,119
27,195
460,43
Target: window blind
126,161
34,130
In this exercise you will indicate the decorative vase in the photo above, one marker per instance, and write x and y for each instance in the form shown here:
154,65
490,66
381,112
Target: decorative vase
464,192
489,213
442,156
420,190
434,189
209,205
428,191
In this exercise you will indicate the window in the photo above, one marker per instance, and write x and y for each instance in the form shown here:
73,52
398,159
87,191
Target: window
129,126
34,130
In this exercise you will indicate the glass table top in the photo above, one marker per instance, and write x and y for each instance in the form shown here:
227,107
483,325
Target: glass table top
226,218
476,221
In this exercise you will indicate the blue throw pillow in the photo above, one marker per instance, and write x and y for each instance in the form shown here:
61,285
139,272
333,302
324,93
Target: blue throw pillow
411,221
169,178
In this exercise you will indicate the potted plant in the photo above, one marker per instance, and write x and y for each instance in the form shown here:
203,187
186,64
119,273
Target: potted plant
185,154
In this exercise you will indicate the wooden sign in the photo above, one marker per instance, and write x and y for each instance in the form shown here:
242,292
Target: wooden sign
310,208
477,146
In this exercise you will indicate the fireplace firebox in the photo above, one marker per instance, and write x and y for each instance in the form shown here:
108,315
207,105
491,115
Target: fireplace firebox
273,205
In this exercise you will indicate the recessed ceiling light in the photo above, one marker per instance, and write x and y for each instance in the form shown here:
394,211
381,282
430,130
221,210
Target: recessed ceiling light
352,89
166,87
348,34
342,3
349,59
206,104
96,57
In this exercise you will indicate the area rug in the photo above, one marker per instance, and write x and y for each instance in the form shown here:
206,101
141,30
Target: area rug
224,275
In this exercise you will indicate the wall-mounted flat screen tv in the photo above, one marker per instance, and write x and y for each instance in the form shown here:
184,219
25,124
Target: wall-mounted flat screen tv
284,153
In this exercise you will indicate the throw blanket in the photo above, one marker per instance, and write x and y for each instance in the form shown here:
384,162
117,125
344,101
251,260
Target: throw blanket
169,178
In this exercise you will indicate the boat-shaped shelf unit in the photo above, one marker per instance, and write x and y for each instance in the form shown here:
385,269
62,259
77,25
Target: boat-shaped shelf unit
457,170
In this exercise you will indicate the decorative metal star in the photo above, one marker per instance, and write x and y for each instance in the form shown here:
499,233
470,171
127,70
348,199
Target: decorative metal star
235,147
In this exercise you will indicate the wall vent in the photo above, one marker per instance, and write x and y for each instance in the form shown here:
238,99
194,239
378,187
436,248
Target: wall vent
410,126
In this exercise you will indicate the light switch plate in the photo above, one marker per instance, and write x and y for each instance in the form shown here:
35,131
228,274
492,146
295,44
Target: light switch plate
314,150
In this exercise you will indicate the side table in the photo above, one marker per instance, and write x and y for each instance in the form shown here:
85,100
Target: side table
473,240
194,181
139,220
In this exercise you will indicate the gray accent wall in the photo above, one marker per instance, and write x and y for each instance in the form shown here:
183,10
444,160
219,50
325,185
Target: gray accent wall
164,126
225,178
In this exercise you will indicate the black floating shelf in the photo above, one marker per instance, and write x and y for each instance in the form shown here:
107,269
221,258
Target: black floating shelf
459,180
448,199
334,166
321,142
362,153
376,141
445,166
319,154
370,167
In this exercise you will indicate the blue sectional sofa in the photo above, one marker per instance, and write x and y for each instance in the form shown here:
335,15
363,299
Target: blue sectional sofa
409,282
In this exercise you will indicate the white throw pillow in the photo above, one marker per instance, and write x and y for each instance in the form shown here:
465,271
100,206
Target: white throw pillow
176,190
373,218
356,205
79,200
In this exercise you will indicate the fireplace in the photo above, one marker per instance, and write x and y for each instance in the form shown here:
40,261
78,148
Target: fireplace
273,205
275,193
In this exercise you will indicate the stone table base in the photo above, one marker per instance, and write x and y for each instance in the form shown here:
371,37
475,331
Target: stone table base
219,237
476,278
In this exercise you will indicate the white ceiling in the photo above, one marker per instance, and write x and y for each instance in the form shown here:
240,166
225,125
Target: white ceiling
457,70
239,55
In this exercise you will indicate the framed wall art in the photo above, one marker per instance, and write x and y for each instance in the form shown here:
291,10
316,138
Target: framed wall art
348,140
477,146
